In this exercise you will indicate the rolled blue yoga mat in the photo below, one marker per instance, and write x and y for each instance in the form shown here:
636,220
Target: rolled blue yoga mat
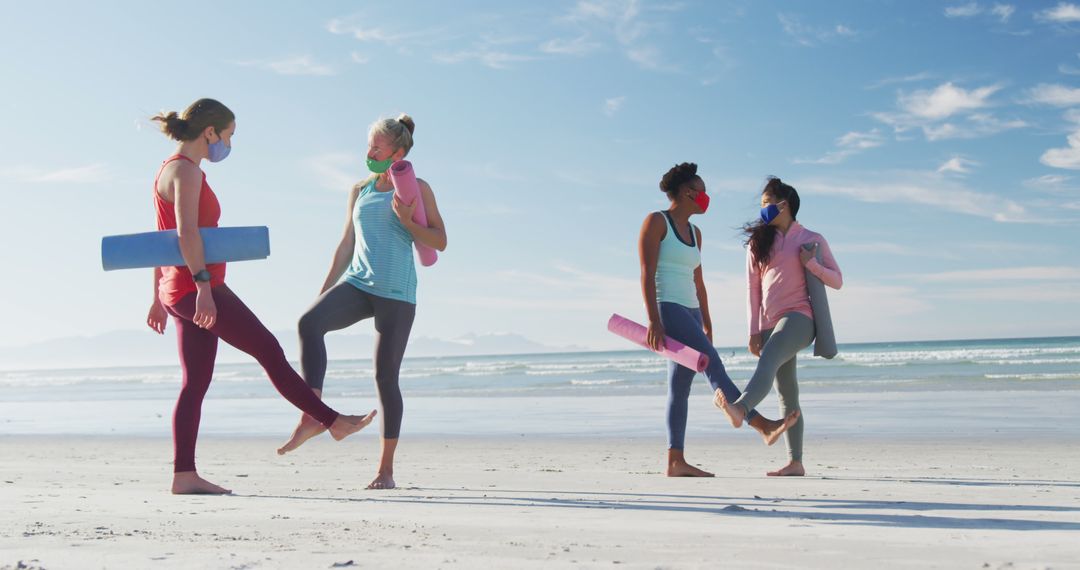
162,249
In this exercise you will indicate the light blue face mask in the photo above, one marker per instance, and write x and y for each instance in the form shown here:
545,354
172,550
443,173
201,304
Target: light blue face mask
217,152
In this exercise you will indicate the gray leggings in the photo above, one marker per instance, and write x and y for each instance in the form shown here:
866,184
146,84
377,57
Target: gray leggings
793,333
342,306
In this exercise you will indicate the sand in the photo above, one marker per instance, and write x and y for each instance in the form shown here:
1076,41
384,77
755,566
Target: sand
542,502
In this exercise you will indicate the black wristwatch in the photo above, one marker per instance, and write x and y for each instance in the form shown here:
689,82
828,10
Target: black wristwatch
201,277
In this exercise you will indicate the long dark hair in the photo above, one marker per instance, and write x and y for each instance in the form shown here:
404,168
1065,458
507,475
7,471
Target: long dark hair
759,235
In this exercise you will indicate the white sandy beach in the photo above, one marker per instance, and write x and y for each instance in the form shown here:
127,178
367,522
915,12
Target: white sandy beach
528,502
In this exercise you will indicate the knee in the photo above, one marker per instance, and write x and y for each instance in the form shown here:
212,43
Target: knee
309,326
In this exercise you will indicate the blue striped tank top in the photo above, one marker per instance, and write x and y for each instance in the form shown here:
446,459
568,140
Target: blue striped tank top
382,261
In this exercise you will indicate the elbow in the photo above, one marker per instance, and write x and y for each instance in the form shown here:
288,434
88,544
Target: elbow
186,233
839,282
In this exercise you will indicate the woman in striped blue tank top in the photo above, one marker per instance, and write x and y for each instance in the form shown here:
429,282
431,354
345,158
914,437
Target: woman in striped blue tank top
678,306
373,275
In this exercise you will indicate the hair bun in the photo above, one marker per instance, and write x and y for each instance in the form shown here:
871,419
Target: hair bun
408,122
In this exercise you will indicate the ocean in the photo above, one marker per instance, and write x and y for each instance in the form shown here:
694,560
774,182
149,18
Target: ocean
887,386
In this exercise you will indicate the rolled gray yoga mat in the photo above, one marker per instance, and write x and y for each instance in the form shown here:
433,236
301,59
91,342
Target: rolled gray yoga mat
824,339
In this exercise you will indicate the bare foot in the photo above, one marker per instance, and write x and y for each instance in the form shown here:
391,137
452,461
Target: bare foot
382,481
684,469
735,414
792,469
189,483
344,426
771,430
308,428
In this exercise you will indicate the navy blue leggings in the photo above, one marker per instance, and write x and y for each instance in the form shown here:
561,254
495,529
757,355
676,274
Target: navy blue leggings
685,325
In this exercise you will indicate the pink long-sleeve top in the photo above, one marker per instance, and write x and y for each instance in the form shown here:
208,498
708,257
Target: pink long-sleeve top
779,288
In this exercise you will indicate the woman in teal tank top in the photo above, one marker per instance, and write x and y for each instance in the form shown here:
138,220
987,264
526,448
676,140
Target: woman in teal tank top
678,306
373,275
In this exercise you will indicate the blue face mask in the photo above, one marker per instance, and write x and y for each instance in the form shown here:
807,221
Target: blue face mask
218,151
769,213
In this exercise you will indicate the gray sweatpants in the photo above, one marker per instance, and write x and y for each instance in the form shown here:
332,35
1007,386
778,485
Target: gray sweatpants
342,306
780,345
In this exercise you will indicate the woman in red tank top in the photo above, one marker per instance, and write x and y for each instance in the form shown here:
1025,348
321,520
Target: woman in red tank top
195,294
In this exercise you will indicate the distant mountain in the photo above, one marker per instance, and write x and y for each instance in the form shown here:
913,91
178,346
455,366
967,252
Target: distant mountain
136,348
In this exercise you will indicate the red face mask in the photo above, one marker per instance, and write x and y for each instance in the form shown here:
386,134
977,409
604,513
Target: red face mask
702,200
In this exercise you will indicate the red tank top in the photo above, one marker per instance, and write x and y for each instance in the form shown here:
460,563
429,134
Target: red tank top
176,282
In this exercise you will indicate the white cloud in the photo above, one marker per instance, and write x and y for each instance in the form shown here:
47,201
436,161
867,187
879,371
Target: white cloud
957,165
1035,273
1063,13
1003,12
336,171
963,10
612,105
374,34
1048,182
920,188
89,174
946,100
931,110
922,76
495,59
848,145
1056,95
359,58
578,46
295,65
630,25
808,35
1067,157
975,126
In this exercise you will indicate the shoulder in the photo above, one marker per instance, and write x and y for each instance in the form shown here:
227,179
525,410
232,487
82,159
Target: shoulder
359,186
424,187
654,225
183,171
810,235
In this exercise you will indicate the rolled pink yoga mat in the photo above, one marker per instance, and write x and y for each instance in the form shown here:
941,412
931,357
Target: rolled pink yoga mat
672,349
406,189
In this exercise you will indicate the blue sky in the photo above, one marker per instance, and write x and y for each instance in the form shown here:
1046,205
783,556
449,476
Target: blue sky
935,144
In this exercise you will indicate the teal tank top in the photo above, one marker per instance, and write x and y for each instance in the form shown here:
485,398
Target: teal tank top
675,267
382,261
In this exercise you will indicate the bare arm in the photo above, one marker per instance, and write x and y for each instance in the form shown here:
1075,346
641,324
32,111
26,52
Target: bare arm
652,231
434,235
157,318
186,185
702,294
753,304
344,251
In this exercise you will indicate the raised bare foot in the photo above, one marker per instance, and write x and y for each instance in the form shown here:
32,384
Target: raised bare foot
189,483
344,426
684,469
308,428
792,469
735,414
382,481
771,430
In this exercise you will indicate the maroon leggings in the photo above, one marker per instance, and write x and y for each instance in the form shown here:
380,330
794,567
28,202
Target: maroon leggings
238,326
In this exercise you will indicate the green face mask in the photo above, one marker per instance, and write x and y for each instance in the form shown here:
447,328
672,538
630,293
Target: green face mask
379,166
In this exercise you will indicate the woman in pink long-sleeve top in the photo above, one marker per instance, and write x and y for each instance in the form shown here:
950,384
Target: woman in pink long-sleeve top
781,319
